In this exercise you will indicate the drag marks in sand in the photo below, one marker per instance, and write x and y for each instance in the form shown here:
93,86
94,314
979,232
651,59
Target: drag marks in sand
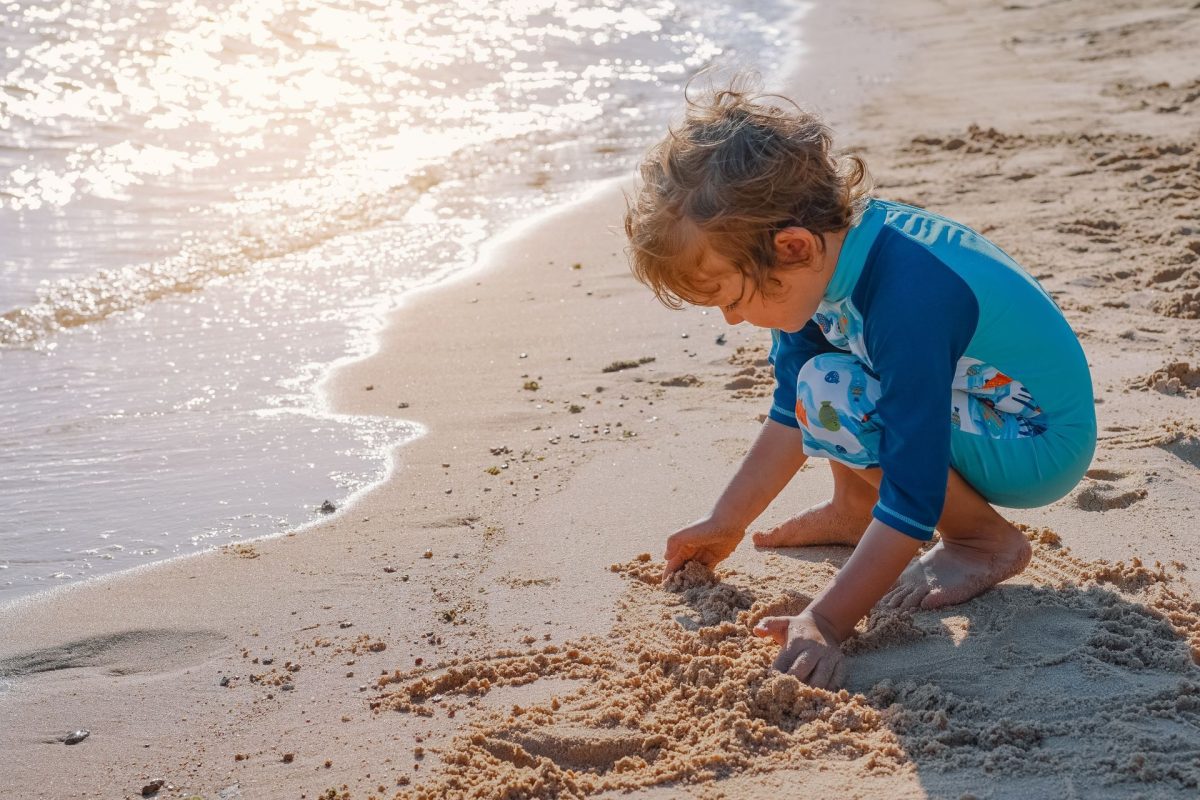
1104,489
1086,674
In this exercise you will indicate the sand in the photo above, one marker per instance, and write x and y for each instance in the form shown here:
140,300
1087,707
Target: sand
489,623
680,691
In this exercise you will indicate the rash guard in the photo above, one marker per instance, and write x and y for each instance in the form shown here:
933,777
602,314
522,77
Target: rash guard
969,350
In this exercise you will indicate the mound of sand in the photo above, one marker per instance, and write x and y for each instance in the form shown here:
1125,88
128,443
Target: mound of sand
1092,667
1177,378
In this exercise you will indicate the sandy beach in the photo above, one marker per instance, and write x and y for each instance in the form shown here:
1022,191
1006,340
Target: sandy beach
488,622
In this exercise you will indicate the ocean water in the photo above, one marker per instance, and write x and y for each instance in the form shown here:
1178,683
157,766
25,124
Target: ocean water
205,204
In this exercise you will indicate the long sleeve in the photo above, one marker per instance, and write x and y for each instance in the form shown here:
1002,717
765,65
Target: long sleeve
919,320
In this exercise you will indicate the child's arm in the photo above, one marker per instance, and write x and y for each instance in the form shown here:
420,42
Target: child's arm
774,458
811,641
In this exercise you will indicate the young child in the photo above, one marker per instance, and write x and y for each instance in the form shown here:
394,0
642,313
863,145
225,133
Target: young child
933,373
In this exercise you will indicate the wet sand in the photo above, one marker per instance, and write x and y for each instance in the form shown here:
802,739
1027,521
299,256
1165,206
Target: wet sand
486,622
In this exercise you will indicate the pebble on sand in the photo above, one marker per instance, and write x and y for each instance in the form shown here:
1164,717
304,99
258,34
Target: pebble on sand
75,737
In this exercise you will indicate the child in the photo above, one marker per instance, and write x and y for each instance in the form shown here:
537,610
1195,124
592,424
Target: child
933,373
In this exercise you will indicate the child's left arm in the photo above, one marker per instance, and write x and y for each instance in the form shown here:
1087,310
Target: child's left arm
812,640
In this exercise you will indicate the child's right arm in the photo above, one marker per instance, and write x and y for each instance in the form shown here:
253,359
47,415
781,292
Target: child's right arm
774,458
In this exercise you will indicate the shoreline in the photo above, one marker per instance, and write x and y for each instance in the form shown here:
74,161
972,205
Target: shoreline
362,345
324,406
520,559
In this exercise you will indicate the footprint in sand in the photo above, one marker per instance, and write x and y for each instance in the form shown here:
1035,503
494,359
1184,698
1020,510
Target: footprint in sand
123,653
1107,489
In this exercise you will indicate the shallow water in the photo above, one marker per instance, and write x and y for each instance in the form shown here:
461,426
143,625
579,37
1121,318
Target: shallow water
205,204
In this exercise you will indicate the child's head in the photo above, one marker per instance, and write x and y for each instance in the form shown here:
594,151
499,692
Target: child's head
726,183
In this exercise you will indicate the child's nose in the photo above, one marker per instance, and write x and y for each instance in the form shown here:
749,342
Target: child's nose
731,317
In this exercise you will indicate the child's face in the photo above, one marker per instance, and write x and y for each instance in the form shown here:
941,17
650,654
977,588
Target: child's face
796,286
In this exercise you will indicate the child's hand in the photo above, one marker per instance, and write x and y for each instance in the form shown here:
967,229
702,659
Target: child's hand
708,541
808,653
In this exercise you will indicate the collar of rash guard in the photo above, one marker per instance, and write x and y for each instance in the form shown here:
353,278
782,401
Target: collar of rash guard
853,254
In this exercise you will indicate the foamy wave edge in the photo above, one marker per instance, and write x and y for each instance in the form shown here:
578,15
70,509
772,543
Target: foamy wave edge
74,302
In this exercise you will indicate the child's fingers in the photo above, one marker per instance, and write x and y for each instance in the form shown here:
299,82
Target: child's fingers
822,674
674,563
803,665
795,657
774,628
677,553
839,675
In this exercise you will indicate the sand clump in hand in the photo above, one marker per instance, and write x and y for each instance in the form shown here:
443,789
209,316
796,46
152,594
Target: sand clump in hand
1031,679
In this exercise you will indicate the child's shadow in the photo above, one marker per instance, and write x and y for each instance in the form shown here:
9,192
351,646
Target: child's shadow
1039,692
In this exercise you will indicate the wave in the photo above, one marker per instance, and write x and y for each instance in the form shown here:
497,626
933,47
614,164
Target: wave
69,303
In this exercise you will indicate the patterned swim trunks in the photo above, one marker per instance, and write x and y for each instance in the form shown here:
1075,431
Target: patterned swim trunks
836,395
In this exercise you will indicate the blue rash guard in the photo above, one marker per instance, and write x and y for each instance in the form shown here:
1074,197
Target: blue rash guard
932,348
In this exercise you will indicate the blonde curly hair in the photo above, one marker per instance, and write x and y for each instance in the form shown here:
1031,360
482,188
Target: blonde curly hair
738,170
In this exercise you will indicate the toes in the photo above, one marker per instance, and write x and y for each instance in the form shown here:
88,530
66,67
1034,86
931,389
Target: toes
933,599
914,598
771,538
905,596
940,598
896,596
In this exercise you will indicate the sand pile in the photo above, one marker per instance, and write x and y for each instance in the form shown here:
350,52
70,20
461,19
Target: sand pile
1091,669
1177,378
1185,305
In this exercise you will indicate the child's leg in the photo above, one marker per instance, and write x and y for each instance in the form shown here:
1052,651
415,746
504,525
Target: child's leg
835,408
840,520
978,549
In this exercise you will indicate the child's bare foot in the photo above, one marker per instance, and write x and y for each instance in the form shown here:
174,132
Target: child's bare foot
825,523
955,570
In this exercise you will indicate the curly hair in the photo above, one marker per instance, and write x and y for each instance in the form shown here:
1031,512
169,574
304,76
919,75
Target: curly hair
738,170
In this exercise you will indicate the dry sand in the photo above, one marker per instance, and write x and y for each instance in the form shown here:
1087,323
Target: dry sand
533,653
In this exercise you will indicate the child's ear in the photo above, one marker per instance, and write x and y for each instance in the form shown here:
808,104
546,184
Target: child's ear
795,247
